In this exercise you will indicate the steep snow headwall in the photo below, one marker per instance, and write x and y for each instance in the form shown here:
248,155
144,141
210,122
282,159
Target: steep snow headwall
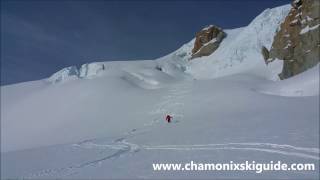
240,50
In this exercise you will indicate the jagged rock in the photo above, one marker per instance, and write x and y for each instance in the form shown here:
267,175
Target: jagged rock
207,41
265,54
297,42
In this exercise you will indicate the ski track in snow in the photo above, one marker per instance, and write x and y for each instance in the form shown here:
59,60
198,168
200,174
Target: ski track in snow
288,150
125,147
284,149
170,104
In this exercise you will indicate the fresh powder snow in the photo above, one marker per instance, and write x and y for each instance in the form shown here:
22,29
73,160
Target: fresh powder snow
107,119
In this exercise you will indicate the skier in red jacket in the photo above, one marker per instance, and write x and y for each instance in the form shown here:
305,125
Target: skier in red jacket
168,118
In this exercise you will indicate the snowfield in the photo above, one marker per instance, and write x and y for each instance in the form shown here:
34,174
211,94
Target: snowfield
106,119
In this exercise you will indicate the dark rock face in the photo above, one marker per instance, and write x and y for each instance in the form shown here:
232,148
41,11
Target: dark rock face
265,53
297,42
207,41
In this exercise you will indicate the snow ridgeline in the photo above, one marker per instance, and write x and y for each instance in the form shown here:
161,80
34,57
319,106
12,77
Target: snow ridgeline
86,71
239,52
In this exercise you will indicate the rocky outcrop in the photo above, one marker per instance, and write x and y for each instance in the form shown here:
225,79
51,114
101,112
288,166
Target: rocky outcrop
207,41
297,41
265,53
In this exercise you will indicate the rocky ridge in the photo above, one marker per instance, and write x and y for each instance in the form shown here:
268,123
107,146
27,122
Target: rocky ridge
297,42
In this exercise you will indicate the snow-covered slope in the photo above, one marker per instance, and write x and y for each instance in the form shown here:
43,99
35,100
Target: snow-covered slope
239,52
77,105
110,128
306,84
106,119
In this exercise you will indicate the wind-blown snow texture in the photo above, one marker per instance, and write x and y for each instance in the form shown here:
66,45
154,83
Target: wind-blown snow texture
106,120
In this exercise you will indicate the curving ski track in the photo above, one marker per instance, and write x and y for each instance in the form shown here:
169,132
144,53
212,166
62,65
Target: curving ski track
170,105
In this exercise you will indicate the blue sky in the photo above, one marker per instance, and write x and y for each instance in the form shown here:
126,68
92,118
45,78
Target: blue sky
40,37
